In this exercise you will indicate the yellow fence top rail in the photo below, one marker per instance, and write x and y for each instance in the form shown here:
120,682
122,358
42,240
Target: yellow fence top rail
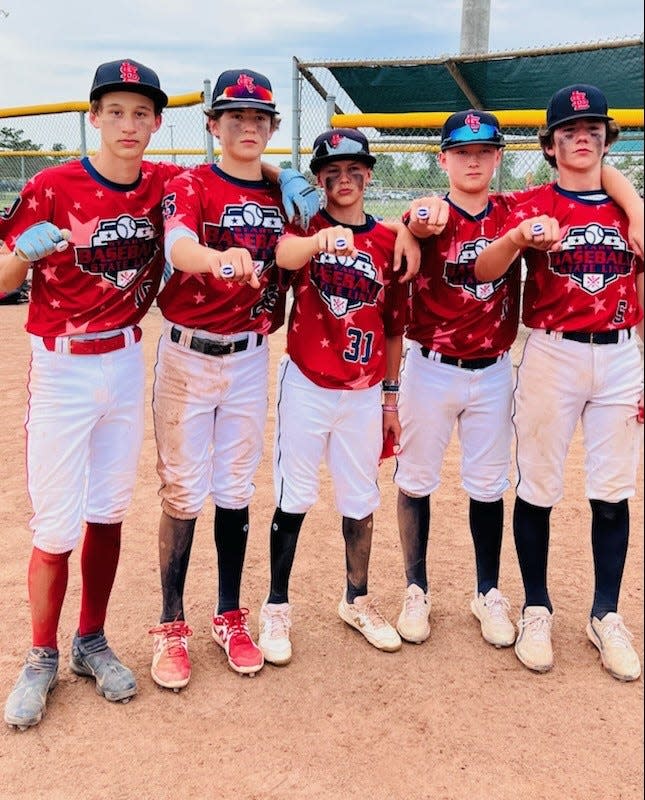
519,118
190,99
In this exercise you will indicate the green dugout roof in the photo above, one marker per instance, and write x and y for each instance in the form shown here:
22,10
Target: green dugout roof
493,81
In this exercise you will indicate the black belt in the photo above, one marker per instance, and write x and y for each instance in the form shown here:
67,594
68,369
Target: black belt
594,337
464,363
210,348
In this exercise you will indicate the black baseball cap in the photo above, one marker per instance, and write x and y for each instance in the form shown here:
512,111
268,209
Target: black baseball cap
471,127
340,144
127,75
579,101
243,88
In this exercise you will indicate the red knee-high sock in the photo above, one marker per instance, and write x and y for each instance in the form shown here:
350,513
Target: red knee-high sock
99,560
47,583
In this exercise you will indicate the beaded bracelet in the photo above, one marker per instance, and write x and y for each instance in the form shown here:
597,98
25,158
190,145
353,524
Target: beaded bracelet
390,408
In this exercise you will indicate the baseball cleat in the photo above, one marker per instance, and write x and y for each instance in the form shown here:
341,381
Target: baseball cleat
413,623
231,632
613,640
492,610
170,660
26,703
275,627
364,615
533,644
93,658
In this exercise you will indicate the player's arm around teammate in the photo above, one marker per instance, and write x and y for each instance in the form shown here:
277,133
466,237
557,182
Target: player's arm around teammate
222,223
582,301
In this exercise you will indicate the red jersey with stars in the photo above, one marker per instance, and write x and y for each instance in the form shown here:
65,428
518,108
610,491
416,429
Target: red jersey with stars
225,212
590,284
453,313
109,275
344,308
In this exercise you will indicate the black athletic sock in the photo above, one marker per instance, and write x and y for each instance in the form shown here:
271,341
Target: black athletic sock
285,529
358,545
231,534
531,531
609,539
414,528
486,527
175,542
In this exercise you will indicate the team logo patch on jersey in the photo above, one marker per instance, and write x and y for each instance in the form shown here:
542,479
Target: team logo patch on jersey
248,225
119,250
461,273
345,283
592,256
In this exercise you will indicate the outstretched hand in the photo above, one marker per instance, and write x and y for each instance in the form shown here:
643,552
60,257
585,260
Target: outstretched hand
299,198
40,240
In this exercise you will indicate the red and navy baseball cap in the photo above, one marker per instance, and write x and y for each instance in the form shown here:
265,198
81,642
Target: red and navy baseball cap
340,144
579,101
243,88
471,127
127,75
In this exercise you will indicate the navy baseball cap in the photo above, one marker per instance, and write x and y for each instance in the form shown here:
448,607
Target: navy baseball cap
579,101
340,144
471,127
127,75
243,88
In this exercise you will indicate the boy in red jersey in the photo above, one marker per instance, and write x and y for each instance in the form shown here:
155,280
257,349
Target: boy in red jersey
86,382
458,372
344,338
222,223
583,300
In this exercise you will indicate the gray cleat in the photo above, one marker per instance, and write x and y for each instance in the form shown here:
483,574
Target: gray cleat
92,658
25,705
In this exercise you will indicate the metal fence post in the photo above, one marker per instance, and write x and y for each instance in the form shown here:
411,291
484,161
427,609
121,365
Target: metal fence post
210,152
83,147
295,114
330,108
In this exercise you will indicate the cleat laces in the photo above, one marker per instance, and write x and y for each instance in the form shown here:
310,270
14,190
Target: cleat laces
416,606
537,627
175,634
498,607
616,634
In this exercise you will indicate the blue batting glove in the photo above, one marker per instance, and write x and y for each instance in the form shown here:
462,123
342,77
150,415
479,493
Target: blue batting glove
299,197
40,240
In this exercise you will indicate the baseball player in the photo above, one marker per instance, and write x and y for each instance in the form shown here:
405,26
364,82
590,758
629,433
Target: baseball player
223,298
344,340
458,371
86,380
583,300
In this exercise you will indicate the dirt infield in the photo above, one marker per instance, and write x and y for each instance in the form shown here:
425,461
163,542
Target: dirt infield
452,719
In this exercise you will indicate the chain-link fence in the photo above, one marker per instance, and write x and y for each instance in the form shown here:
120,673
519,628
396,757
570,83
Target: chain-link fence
406,165
37,137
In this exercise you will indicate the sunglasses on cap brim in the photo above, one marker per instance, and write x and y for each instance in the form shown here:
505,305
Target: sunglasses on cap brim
466,135
241,92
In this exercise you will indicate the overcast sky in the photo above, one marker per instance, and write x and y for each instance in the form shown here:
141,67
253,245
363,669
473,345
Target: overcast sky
49,50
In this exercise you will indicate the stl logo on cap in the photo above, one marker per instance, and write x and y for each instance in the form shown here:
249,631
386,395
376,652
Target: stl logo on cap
473,122
246,82
335,140
579,100
129,73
